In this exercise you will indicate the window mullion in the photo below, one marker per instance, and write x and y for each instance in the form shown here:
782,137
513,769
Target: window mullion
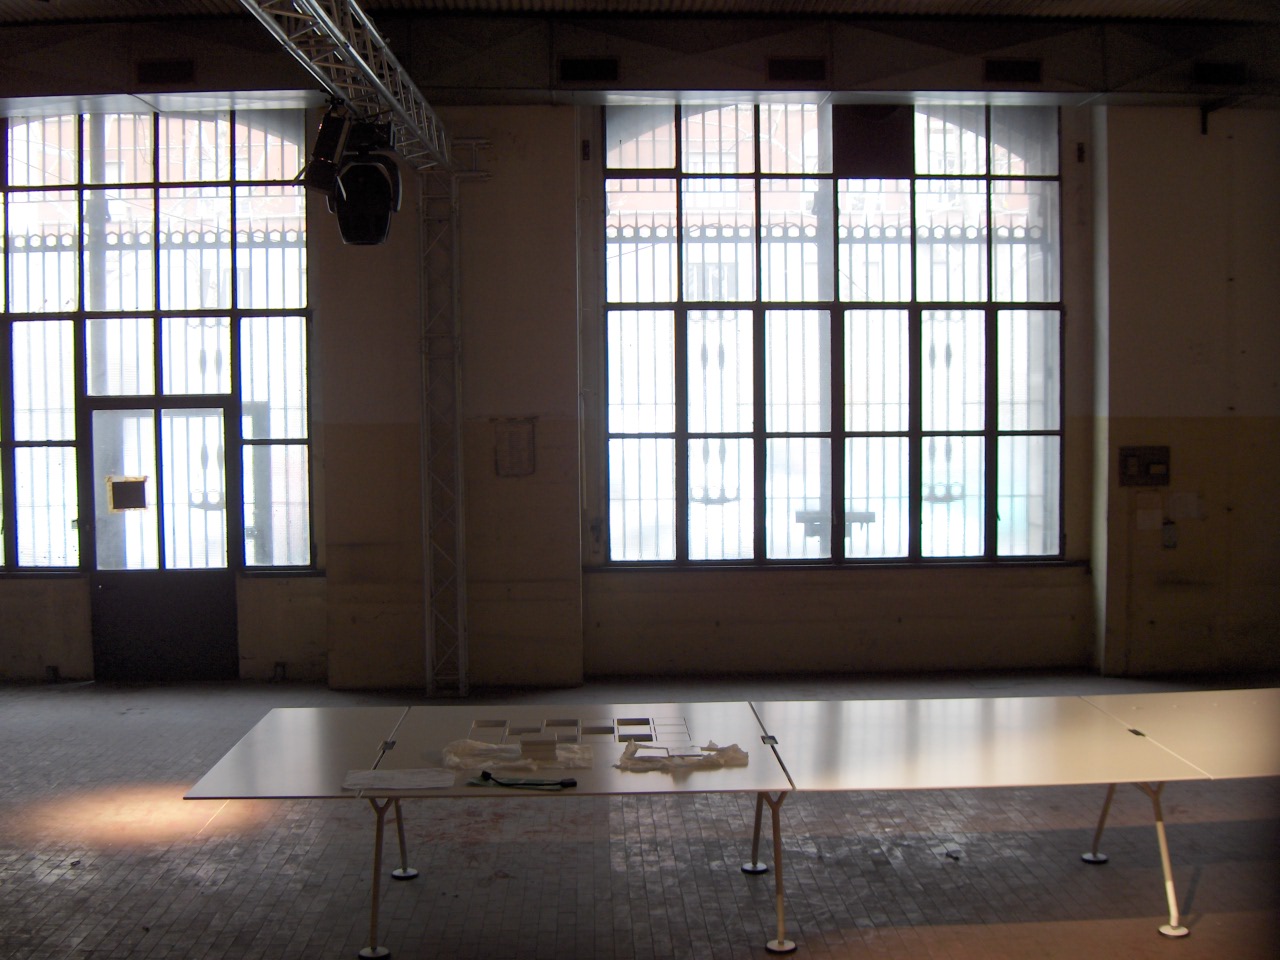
680,349
758,430
991,475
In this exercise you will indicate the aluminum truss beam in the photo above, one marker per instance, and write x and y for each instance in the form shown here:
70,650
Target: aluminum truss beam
339,46
443,541
337,43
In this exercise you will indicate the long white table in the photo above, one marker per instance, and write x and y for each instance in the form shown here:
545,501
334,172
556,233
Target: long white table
295,753
1148,740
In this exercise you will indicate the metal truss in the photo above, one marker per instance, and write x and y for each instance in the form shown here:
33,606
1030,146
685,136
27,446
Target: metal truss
443,542
339,46
337,43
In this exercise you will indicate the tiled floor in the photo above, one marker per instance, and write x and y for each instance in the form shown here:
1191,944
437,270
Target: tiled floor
101,858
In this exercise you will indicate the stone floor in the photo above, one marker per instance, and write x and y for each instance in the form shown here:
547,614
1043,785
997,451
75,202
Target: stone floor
100,857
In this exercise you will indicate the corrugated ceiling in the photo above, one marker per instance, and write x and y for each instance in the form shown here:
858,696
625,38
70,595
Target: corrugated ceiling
53,11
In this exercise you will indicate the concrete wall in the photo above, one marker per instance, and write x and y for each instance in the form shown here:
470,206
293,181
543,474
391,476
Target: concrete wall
1193,342
1171,335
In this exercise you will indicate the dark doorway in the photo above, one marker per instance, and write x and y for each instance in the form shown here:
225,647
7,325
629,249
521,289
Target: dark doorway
164,625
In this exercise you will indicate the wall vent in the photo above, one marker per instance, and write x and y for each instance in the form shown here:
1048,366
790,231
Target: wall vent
589,70
1012,70
1216,73
157,72
797,70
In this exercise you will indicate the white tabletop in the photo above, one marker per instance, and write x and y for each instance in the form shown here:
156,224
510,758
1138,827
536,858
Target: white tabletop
296,752
308,752
960,743
605,730
1225,733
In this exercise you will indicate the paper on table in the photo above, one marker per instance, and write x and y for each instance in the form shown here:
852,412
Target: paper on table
474,754
426,778
712,757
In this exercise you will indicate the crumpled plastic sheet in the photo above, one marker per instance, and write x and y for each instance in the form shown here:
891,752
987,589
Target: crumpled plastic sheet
474,754
712,758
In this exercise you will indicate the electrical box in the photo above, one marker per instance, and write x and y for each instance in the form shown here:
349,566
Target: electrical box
1144,466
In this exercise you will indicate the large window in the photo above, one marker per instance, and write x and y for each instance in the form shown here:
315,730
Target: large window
153,352
832,333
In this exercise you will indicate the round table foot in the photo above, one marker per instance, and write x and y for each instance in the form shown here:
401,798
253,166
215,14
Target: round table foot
1171,931
405,873
374,953
780,946
755,868
1093,857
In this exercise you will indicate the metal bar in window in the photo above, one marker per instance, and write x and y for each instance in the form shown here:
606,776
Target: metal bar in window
991,492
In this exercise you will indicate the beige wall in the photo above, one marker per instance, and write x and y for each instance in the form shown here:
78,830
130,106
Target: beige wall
1183,335
1193,344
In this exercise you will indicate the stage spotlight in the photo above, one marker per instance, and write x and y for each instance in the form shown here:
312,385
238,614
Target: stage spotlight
367,189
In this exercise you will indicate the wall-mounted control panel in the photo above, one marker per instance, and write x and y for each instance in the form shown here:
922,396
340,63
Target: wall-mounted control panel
1144,466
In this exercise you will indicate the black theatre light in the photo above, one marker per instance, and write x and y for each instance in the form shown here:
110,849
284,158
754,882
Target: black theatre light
367,190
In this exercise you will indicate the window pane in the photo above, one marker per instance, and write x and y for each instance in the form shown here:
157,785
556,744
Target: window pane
273,378
795,138
43,380
720,371
47,508
717,139
124,448
1024,250
876,504
269,144
721,499
719,234
1029,382
121,356
44,263
953,490
277,505
877,374
195,147
119,250
797,498
640,137
640,241
795,238
951,140
43,152
118,148
797,371
1024,141
195,493
875,240
195,355
1027,504
953,369
642,395
271,247
951,240
642,487
195,249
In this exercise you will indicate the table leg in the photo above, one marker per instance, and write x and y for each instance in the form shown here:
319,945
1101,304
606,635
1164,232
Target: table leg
374,951
1093,856
404,871
1174,927
755,866
781,944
